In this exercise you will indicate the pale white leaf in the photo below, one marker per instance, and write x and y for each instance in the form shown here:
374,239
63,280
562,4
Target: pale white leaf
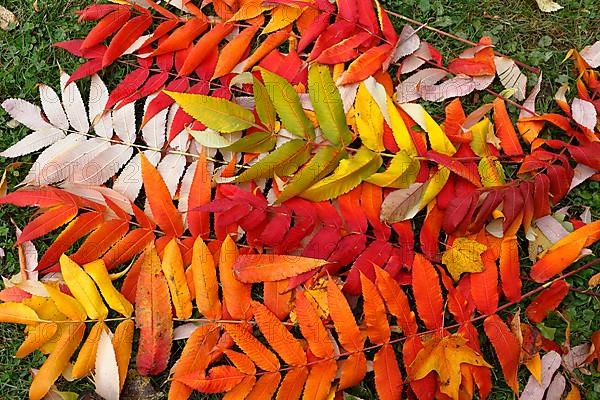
99,194
576,357
379,95
171,169
414,61
52,107
153,131
184,191
73,104
471,52
210,138
101,118
181,142
107,370
586,215
556,388
38,169
511,76
129,181
552,229
529,104
548,5
402,204
104,166
581,174
31,257
408,89
185,331
33,142
591,55
26,113
458,86
348,95
535,390
408,43
124,123
584,113
135,46
66,163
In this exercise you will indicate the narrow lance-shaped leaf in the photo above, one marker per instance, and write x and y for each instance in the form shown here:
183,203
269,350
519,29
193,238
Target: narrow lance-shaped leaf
284,161
264,105
87,354
219,114
236,295
115,300
327,103
272,267
83,288
206,286
172,267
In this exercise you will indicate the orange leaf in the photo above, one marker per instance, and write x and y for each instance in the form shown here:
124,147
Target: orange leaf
280,339
318,384
236,295
47,222
396,301
378,328
564,252
352,370
153,316
265,387
427,292
343,319
200,194
388,379
36,337
128,247
507,348
122,341
241,362
547,301
277,297
204,46
19,313
233,51
161,204
86,359
269,44
206,286
182,37
263,357
172,267
57,361
505,129
312,327
219,379
510,269
292,384
272,267
195,357
242,390
366,64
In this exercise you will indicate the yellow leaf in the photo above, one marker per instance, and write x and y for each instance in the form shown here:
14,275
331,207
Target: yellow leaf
445,357
83,288
248,10
172,266
281,17
399,130
57,361
491,172
68,305
369,120
437,138
594,280
480,132
464,256
18,313
534,365
115,300
87,355
47,310
401,172
36,337
435,184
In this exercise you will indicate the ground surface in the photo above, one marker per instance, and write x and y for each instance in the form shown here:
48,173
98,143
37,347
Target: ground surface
517,27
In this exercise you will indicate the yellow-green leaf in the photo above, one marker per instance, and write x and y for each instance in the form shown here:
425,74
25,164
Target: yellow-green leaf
327,103
480,132
287,104
284,161
83,288
263,104
369,119
322,163
218,114
464,256
491,172
401,172
115,300
349,174
437,138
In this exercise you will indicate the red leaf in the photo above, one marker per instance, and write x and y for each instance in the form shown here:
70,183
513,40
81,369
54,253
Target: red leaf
366,64
318,26
106,27
200,192
161,204
182,37
47,222
430,233
547,301
455,166
348,334
130,83
484,285
126,36
378,328
505,129
396,301
427,293
128,247
507,348
99,241
510,269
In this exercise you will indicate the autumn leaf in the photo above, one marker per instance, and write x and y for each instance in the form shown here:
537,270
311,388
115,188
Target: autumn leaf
271,267
463,256
445,356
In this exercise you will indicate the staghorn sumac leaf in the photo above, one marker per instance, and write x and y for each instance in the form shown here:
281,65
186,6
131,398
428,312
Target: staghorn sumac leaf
292,384
233,51
264,358
265,387
86,358
378,328
349,335
126,36
18,313
547,301
174,272
396,301
236,295
320,379
219,379
36,337
427,293
283,161
122,341
153,316
83,288
47,222
366,64
388,378
206,286
352,370
507,348
272,267
312,327
115,300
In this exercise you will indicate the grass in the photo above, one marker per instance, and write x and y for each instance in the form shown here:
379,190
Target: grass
517,27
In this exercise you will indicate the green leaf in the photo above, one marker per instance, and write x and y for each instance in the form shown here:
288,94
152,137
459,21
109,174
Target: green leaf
328,106
325,161
218,114
401,172
287,104
284,161
263,104
349,174
258,142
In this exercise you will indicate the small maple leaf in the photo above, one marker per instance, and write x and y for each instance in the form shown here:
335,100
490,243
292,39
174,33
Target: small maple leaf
464,256
445,357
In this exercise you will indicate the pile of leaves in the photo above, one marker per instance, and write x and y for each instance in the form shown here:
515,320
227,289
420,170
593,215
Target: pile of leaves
266,184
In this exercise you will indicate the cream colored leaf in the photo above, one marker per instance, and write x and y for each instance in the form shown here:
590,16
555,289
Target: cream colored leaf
548,5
